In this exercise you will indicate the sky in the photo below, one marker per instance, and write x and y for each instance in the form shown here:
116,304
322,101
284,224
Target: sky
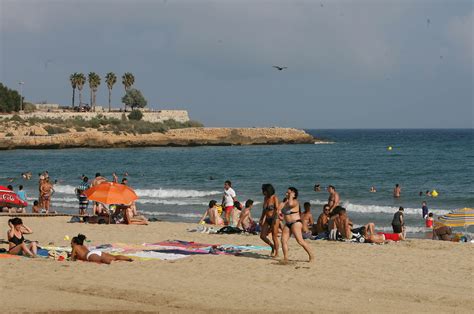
351,64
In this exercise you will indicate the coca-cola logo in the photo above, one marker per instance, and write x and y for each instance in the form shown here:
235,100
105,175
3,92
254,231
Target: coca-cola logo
8,197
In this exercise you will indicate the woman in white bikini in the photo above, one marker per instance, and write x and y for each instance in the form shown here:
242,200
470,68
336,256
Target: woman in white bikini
289,213
80,252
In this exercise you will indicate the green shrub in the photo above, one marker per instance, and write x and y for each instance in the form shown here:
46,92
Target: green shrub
17,118
136,115
55,129
9,134
28,107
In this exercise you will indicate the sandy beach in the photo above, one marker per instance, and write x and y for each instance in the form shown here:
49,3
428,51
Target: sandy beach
412,276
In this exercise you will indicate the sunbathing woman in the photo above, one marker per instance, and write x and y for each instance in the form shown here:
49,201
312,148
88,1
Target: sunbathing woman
80,252
381,237
269,221
289,212
16,241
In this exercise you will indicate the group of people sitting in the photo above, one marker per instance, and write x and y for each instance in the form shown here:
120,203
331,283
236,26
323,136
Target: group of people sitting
285,218
17,245
117,214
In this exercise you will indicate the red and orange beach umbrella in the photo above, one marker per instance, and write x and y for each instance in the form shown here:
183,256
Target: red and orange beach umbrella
111,193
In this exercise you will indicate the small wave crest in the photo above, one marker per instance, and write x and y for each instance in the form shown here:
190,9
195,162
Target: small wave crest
173,193
157,193
184,215
358,208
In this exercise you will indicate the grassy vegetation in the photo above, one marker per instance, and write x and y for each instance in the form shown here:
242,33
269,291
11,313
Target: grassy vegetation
102,123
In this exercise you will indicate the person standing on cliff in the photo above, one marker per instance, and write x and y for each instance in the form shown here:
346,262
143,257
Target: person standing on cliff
228,200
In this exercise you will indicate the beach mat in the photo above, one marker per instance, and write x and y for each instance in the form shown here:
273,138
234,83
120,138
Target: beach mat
9,256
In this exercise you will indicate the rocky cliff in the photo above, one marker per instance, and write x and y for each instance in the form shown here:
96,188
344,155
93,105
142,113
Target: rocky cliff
35,137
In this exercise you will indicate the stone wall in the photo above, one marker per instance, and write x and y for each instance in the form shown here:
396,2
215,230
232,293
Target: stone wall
151,116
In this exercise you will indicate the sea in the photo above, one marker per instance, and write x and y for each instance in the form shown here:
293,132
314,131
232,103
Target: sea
176,184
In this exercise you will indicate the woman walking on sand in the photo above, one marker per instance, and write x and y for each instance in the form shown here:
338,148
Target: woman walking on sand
269,221
289,213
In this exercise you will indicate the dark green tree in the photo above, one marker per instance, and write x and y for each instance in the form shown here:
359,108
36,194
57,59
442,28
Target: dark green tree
110,79
134,99
9,99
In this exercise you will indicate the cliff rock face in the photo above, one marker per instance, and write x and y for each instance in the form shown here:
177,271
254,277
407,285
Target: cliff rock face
175,137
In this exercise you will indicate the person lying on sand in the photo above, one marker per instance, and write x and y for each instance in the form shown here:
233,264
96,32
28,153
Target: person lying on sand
16,240
213,214
382,237
80,252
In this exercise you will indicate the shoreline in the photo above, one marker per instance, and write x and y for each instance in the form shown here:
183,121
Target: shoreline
366,278
185,137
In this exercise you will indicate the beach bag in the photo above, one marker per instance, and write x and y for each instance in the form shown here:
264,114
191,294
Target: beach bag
229,230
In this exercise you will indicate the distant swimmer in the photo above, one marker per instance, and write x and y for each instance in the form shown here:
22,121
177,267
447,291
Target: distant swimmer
333,200
372,189
420,194
211,178
397,191
428,193
317,188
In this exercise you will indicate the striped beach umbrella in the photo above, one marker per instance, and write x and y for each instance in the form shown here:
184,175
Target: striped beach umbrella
459,218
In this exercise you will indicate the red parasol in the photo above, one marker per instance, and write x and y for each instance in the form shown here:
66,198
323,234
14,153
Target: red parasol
10,199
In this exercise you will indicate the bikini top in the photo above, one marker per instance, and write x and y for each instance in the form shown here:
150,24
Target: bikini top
270,208
287,211
15,240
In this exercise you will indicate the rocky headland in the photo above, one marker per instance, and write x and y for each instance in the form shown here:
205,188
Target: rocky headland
14,136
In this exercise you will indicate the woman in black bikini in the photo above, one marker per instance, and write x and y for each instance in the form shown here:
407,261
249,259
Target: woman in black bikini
16,241
269,221
289,213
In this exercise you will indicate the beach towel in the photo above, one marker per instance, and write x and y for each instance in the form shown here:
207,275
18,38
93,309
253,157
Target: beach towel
8,256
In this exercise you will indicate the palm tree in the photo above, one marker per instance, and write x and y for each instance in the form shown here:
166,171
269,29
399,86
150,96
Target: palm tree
94,82
80,81
73,80
111,79
127,80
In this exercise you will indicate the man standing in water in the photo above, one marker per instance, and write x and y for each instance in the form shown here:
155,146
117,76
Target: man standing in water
397,191
333,200
228,200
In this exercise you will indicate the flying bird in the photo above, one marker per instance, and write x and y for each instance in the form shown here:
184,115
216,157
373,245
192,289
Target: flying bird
279,68
428,21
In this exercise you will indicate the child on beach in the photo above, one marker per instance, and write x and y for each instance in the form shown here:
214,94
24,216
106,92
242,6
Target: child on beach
429,221
36,208
245,221
424,210
21,193
80,252
213,214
